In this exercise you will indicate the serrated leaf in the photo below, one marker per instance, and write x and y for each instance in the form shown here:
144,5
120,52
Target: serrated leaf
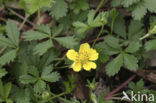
150,45
115,3
49,57
79,5
13,32
150,4
114,66
99,20
80,27
139,11
133,47
112,42
91,16
140,84
135,30
26,79
127,3
44,28
39,86
41,48
113,14
35,35
22,96
59,9
33,71
120,30
8,57
5,42
79,24
130,62
57,30
7,89
34,5
107,49
3,72
50,76
68,42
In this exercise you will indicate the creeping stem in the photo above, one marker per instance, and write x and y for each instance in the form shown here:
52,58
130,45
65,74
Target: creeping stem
98,36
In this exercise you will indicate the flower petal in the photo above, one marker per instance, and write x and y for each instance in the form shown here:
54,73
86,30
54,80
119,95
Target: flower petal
88,65
76,66
72,54
84,48
93,55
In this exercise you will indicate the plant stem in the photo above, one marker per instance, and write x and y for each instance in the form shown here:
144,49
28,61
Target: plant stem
39,17
98,36
56,96
20,16
99,5
147,35
62,67
60,60
121,86
24,21
112,26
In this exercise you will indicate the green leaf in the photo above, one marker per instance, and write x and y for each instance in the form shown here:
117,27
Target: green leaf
9,101
35,5
80,27
150,45
57,30
115,3
1,88
107,49
99,20
12,32
112,42
49,57
33,71
91,16
8,57
120,30
44,28
41,48
127,3
5,42
130,62
150,4
114,66
113,14
35,35
7,89
103,57
26,79
139,11
50,76
3,72
68,42
59,9
79,5
135,30
22,96
133,47
39,86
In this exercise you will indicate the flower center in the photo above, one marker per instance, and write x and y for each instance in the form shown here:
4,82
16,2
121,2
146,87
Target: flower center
83,57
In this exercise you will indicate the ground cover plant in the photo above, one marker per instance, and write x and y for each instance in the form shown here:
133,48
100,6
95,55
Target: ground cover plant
77,51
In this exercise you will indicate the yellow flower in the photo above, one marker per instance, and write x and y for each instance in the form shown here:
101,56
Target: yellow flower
83,58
